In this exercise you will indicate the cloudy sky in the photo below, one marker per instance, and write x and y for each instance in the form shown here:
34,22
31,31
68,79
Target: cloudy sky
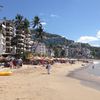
77,20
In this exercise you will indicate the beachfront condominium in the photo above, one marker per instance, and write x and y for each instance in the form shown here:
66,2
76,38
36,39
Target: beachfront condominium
28,41
7,32
20,41
2,40
23,41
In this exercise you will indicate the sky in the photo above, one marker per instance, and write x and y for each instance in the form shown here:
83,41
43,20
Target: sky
77,20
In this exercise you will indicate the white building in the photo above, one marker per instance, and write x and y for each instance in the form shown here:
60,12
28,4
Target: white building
39,48
28,42
2,40
7,32
50,52
2,44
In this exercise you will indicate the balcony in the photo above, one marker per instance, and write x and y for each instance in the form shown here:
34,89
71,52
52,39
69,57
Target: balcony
8,46
20,44
28,46
28,35
21,40
9,33
4,26
21,35
9,27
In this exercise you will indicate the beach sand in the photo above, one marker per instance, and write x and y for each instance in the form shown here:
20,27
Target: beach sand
33,83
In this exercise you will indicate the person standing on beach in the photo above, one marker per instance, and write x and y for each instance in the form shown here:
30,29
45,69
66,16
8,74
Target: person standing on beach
92,66
48,67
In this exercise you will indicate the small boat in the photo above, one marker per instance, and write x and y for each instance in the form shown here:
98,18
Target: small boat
5,73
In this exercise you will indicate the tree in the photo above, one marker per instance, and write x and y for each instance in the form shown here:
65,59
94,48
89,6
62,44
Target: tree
26,23
19,22
21,26
63,53
14,41
36,22
38,28
56,52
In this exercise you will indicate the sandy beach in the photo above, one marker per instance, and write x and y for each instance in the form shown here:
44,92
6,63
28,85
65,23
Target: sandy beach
33,83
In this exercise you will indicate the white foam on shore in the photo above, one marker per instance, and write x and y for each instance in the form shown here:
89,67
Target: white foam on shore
96,62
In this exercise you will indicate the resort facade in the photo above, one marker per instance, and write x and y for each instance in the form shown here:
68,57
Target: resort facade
7,32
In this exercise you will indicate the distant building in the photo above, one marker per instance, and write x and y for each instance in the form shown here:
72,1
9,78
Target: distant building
28,42
7,33
66,48
50,52
86,53
39,48
2,41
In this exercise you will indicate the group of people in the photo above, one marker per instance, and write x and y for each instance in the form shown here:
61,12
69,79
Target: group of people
17,63
14,63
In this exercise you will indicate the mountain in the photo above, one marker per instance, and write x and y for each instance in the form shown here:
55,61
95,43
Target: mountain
57,41
52,39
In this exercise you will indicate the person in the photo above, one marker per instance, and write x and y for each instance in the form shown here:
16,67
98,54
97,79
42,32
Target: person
11,64
14,63
19,62
48,67
92,66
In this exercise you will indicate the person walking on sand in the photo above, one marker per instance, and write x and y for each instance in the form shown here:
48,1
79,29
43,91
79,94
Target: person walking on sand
48,67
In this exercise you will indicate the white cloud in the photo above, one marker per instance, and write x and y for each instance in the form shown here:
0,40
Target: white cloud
92,40
54,16
87,39
43,23
98,34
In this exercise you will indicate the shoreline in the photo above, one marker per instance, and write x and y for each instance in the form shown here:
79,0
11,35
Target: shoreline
85,76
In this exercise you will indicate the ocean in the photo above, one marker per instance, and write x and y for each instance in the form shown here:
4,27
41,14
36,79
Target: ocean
94,69
88,75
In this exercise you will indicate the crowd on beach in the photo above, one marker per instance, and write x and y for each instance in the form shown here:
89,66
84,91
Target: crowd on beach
13,63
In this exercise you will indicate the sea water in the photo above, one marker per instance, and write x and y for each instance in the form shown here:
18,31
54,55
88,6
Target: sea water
94,68
88,75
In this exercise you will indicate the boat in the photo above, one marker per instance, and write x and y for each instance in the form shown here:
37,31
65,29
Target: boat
5,73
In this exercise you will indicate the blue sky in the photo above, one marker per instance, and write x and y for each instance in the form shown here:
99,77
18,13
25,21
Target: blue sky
77,20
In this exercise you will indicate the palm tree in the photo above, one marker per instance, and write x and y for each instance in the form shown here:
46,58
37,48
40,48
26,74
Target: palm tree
36,22
26,23
19,26
38,28
19,22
